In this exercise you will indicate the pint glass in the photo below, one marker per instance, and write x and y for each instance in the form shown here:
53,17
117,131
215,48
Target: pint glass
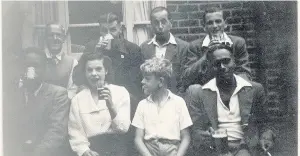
221,141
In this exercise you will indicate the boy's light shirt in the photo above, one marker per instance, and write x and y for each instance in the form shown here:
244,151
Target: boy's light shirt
164,122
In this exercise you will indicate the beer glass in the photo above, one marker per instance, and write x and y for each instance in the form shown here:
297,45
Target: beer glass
221,141
99,89
30,74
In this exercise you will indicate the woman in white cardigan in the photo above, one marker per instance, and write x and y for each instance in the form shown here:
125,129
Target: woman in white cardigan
100,113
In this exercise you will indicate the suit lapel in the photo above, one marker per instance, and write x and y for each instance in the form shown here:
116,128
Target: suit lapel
170,51
245,102
42,100
210,105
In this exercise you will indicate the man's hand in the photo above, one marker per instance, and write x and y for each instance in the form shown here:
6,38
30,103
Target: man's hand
90,153
266,144
266,140
102,43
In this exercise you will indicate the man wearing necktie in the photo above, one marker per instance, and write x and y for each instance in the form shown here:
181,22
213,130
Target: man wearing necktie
59,65
165,45
44,116
196,71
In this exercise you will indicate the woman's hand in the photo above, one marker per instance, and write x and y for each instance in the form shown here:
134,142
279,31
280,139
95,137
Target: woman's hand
106,95
90,153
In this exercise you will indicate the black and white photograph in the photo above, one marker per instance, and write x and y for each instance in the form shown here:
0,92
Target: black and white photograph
149,78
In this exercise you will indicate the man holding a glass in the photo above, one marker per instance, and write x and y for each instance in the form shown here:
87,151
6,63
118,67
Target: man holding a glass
228,112
215,25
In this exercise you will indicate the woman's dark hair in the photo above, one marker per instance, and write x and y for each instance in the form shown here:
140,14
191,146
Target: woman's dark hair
79,71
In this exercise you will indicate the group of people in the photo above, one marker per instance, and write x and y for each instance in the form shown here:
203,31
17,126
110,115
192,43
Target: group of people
165,97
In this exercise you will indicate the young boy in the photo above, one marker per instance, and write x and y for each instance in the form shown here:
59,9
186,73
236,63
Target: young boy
162,119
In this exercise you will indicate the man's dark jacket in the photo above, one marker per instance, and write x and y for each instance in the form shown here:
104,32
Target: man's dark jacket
202,105
176,54
44,121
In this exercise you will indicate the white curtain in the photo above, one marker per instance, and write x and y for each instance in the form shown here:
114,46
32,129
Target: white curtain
50,11
139,12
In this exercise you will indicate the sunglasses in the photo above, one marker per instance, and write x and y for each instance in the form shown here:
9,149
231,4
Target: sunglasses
224,61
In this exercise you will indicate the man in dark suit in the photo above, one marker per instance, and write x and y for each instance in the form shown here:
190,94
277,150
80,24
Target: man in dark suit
196,71
165,45
231,103
126,59
44,114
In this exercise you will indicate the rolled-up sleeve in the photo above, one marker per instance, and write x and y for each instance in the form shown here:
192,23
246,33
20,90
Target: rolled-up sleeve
185,118
78,139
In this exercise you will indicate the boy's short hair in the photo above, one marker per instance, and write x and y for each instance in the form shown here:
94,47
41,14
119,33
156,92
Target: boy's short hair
211,10
157,66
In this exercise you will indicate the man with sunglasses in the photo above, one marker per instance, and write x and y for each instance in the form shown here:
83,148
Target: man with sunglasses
228,102
59,65
214,25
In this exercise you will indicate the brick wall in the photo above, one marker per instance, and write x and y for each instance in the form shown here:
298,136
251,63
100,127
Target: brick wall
266,63
188,22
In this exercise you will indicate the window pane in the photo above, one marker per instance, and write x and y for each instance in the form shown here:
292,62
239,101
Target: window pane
83,12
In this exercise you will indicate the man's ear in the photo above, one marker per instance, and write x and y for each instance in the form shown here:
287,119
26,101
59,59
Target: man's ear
161,81
171,23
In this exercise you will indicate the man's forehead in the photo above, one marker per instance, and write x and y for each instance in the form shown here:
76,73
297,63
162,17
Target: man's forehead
55,28
112,24
160,15
218,14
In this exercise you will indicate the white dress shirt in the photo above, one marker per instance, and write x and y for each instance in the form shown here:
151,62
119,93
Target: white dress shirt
164,122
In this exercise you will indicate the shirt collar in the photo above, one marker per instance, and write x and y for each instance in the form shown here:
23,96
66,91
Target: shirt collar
49,55
171,41
206,40
240,83
170,95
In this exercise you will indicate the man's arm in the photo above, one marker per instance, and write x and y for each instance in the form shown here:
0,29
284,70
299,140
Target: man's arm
138,140
266,130
185,141
57,126
242,59
200,132
193,65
